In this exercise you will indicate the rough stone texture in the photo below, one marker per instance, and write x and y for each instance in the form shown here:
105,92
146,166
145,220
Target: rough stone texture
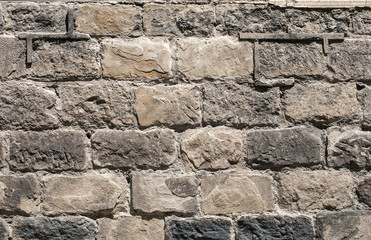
364,96
133,228
320,4
57,150
362,22
2,22
291,60
293,147
173,106
132,148
4,146
27,106
13,54
61,228
137,59
213,148
168,20
4,232
309,190
205,228
109,20
275,228
240,106
321,104
344,225
19,195
364,191
96,105
350,149
159,193
219,57
350,59
86,194
234,193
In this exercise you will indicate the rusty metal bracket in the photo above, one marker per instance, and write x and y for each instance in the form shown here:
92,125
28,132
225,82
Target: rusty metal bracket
69,35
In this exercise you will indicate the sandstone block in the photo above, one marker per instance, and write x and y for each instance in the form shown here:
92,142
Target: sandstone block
292,147
13,54
216,58
274,227
321,104
133,228
96,105
205,228
173,106
213,148
142,149
363,98
57,150
4,147
109,20
240,106
19,195
344,225
309,190
364,191
350,60
4,231
362,22
141,58
27,106
53,228
236,193
87,194
158,193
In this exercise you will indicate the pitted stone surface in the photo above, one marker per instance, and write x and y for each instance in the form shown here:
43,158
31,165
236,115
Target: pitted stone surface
364,191
4,147
363,99
4,230
13,53
362,22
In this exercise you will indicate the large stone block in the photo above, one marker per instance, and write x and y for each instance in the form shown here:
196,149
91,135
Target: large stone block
108,20
19,195
321,104
224,193
364,96
70,227
96,105
25,105
216,58
343,225
164,193
132,148
364,191
213,148
57,150
292,147
137,59
310,190
133,228
197,228
240,106
362,22
275,227
87,194
173,106
13,54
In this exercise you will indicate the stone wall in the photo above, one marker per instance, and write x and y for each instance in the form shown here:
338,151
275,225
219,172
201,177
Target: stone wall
164,124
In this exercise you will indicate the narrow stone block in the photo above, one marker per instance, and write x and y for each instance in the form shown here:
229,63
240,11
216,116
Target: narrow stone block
4,230
13,54
364,96
4,147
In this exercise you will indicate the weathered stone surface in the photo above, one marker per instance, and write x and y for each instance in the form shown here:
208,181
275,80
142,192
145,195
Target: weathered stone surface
292,147
133,228
53,228
65,60
321,104
309,190
132,148
291,60
96,105
87,194
240,106
275,228
35,17
109,20
213,148
219,57
19,195
27,106
364,96
234,193
320,4
364,191
205,228
344,225
362,22
141,58
57,150
13,54
4,147
159,193
2,14
189,20
4,232
350,60
173,106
